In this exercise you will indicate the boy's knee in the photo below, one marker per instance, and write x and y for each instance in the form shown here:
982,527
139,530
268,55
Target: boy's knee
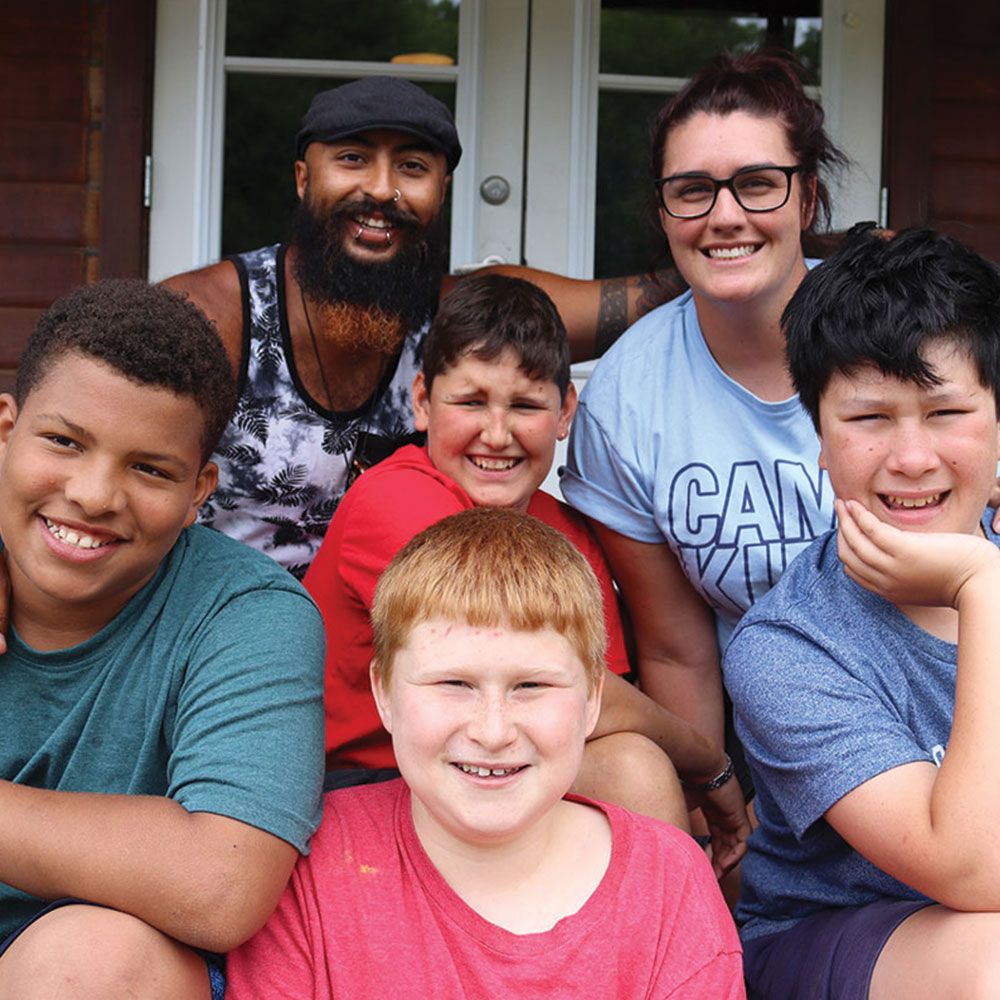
631,770
938,952
639,754
92,952
983,960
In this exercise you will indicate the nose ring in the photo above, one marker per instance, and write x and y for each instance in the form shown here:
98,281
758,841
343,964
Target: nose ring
397,195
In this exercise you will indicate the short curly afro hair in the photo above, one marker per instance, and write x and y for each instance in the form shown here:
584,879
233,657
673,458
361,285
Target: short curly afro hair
147,333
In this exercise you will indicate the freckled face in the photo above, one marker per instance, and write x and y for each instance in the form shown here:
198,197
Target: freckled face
488,727
731,255
491,428
922,459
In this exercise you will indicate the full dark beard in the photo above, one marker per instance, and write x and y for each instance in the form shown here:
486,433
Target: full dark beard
388,298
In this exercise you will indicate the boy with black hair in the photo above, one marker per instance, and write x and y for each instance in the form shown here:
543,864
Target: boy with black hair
494,396
160,695
476,875
875,872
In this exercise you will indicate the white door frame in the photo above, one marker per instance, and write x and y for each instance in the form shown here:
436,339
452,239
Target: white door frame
186,177
188,126
852,93
491,97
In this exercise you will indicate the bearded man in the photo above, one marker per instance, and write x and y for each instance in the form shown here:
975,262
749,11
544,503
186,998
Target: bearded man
326,331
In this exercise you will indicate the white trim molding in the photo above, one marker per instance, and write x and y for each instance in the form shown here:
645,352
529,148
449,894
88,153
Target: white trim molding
187,135
852,86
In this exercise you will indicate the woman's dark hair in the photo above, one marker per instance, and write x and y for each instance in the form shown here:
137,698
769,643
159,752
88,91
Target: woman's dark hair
765,84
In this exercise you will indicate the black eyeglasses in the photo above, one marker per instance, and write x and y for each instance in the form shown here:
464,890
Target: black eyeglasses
756,189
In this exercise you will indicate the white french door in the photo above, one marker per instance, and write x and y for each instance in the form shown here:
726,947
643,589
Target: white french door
550,115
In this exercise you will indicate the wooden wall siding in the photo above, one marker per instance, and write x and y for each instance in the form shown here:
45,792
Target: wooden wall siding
964,125
943,118
127,136
74,108
49,114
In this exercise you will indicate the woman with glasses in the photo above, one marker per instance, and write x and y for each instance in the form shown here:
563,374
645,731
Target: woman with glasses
690,452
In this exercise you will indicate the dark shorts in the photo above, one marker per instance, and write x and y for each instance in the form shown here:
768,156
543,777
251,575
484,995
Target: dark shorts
829,955
215,963
348,777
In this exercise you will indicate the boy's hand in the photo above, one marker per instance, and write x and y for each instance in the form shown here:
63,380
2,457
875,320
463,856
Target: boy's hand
994,502
908,567
728,823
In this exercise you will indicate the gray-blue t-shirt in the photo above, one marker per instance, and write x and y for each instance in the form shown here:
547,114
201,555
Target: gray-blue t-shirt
831,686
206,688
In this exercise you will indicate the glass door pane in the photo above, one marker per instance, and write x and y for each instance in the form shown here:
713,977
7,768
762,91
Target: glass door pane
672,39
372,30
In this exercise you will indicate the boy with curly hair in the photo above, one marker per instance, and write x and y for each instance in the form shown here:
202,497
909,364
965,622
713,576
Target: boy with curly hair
161,689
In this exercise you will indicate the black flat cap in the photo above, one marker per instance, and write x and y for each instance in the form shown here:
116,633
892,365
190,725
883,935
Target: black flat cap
379,102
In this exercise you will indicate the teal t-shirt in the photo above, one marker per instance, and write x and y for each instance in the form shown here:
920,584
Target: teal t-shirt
207,688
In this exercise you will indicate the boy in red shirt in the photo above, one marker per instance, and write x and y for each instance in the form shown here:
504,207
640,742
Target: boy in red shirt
494,396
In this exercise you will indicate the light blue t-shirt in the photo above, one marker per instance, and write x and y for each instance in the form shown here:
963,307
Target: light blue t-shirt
666,447
831,686
206,688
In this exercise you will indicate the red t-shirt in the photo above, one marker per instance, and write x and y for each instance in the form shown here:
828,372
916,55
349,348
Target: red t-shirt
366,915
380,513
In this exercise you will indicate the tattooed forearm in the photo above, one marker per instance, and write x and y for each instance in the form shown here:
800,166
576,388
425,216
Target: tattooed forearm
616,315
657,288
613,316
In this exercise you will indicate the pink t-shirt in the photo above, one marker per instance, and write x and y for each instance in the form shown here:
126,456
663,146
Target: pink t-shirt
380,513
367,915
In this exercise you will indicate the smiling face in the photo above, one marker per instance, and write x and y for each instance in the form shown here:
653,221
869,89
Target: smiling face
98,476
731,255
922,459
491,428
357,179
488,727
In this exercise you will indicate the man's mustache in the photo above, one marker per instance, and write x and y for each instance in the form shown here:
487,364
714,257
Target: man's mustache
389,210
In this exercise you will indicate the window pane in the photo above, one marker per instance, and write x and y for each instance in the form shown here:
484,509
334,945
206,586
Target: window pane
637,39
627,238
258,181
341,29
